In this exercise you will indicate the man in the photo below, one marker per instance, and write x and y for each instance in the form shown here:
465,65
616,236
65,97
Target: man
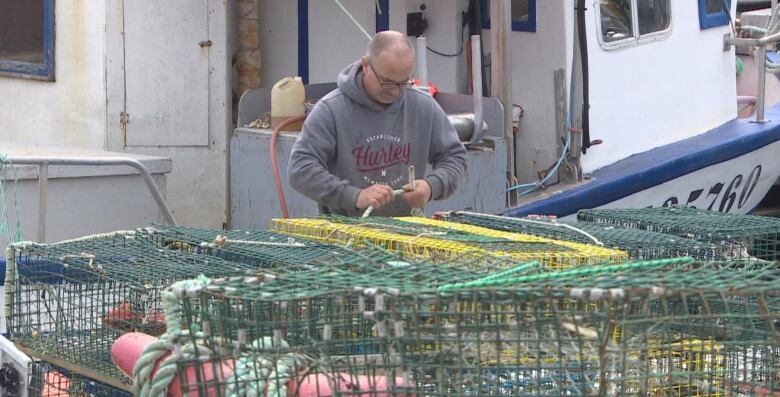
359,140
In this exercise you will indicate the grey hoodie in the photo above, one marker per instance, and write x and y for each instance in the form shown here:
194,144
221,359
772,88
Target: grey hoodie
350,142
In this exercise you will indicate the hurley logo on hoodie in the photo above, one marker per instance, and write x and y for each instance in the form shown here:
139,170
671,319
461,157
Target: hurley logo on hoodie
377,159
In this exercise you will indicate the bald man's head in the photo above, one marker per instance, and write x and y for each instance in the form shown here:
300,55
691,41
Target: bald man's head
387,67
391,41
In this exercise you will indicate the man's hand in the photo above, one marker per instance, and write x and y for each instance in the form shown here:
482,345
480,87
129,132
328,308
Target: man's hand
420,196
375,196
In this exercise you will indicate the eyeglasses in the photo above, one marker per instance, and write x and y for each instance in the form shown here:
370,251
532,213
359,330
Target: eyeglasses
390,84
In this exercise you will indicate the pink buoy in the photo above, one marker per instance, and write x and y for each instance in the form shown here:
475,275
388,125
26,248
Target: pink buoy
128,348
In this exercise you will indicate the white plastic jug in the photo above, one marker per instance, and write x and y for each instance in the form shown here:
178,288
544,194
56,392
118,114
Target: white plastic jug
287,97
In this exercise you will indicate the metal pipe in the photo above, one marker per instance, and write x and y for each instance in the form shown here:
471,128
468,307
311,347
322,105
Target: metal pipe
43,199
101,161
761,84
746,100
464,125
422,62
476,88
501,79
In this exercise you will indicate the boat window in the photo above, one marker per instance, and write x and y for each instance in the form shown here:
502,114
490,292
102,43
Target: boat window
654,16
616,21
624,22
523,15
714,13
27,39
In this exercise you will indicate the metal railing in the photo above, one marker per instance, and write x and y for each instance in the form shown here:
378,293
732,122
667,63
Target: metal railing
760,44
43,164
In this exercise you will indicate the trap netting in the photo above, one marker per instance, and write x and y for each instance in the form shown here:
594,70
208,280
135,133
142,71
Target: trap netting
217,324
433,240
67,302
259,248
640,244
743,236
46,380
664,327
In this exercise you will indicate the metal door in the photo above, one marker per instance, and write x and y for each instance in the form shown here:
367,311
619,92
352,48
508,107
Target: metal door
166,73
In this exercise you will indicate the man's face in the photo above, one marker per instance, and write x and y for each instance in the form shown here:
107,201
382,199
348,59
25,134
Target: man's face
386,78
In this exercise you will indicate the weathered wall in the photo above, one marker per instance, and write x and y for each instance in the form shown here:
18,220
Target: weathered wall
71,110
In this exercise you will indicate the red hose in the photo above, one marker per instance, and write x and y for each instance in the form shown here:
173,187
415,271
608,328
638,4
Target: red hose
275,167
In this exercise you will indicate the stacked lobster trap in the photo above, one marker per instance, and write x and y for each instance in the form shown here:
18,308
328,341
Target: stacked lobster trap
745,237
473,306
665,327
433,240
67,302
638,243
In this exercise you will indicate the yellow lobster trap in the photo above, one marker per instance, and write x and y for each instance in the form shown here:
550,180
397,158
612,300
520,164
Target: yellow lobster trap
433,240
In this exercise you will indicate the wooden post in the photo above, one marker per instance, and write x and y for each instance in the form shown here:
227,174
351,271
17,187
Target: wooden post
501,79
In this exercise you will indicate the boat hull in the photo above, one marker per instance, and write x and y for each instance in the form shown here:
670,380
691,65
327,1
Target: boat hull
728,169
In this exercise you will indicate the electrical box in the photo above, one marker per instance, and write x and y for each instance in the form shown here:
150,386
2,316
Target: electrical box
415,24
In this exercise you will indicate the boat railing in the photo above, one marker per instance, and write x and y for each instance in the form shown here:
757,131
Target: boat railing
43,164
760,45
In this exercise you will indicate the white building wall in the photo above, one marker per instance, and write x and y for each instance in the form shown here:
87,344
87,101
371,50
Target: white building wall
70,111
81,108
689,89
334,40
443,35
278,40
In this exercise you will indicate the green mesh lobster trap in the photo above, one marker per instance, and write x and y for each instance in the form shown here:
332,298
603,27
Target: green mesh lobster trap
640,244
47,380
229,320
259,248
743,236
67,302
665,327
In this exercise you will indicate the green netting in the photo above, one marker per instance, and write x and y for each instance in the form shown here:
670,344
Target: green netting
67,302
5,226
640,244
643,328
256,247
745,236
47,380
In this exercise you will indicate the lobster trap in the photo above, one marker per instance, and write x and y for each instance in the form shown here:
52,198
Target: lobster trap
665,327
432,240
639,244
294,319
741,236
47,380
67,302
258,248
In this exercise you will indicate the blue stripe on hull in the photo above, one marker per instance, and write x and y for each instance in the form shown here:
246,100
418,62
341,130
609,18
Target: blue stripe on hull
654,167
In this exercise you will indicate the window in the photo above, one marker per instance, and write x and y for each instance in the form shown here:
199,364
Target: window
27,39
714,13
523,15
624,22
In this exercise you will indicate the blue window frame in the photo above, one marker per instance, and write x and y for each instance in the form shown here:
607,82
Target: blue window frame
27,39
713,13
523,15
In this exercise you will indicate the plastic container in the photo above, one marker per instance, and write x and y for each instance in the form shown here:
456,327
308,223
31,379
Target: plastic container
287,97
